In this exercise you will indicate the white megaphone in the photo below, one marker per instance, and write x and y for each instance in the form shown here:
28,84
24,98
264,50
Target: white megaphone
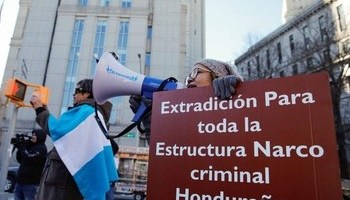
112,79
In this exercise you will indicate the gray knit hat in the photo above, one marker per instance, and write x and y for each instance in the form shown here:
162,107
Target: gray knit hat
219,68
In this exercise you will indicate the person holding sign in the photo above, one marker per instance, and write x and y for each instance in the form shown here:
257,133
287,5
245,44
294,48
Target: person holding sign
206,72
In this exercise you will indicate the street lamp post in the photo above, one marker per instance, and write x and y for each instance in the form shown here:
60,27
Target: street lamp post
6,149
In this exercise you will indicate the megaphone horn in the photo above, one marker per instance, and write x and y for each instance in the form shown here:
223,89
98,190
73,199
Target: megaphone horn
112,79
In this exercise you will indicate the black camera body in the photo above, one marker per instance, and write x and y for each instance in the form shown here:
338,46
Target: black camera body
21,139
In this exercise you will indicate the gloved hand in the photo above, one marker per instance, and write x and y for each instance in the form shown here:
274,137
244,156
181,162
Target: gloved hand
135,102
225,87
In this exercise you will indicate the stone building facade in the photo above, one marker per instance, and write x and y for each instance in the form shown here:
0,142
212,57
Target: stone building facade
58,42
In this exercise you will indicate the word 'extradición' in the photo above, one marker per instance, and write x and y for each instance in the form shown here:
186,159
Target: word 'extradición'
213,103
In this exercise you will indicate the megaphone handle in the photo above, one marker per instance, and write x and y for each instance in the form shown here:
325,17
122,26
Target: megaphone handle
143,108
140,112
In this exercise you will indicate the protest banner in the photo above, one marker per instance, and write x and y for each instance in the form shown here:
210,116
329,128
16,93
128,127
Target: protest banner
275,139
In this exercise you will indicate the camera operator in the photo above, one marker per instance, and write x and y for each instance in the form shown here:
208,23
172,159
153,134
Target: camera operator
31,156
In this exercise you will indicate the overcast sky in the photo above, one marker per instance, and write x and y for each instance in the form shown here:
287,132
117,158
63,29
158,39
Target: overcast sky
7,19
229,23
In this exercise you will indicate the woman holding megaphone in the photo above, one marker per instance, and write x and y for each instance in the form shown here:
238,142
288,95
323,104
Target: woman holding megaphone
205,72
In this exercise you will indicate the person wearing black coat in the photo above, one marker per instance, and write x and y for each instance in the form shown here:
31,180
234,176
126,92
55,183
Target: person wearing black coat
57,183
31,155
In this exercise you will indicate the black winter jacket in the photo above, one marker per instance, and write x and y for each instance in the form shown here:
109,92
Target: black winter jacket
32,157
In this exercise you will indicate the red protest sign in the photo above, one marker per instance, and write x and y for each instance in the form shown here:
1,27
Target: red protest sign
274,140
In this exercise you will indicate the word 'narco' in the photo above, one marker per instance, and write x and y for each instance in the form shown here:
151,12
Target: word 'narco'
213,103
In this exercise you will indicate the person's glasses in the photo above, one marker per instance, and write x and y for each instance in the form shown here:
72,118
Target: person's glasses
195,73
78,90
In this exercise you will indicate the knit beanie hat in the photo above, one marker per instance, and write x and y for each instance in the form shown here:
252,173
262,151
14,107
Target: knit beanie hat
219,68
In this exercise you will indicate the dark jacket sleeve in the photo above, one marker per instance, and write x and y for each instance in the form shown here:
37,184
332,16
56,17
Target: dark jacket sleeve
19,156
42,118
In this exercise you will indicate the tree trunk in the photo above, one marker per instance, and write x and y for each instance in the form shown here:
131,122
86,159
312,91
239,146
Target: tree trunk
343,161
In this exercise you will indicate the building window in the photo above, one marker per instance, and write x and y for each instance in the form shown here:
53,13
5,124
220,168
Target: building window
98,44
279,52
72,67
281,73
291,44
341,18
322,24
122,45
149,32
123,41
105,3
306,35
268,62
346,46
248,69
126,3
310,62
257,58
147,63
295,69
326,55
347,79
148,59
82,2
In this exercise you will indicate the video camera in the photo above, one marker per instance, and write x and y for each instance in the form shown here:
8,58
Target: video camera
21,139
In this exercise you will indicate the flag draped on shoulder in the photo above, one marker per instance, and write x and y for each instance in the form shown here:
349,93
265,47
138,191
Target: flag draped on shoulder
85,151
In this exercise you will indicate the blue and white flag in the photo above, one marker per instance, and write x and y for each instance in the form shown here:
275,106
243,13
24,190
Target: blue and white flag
85,151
